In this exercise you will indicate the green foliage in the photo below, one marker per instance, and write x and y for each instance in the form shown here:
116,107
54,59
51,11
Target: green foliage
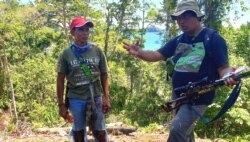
238,139
236,121
45,115
117,118
11,127
238,41
133,92
34,82
145,98
33,36
150,128
215,10
4,99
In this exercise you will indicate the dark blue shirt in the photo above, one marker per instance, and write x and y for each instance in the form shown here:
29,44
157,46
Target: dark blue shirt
196,58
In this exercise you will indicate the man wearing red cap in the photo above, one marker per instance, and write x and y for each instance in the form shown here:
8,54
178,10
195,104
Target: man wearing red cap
85,68
197,53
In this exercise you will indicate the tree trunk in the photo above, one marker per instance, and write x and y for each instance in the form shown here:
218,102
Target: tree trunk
12,95
120,25
109,22
65,21
143,21
6,70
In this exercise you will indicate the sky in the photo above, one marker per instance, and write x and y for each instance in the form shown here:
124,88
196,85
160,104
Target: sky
244,17
25,1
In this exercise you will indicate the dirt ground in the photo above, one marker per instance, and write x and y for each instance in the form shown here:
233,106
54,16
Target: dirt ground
136,137
117,133
112,138
61,135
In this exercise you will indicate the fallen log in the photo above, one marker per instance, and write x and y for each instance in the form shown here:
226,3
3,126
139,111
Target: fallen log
120,130
114,130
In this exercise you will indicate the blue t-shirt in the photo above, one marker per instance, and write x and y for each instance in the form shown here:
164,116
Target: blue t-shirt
194,61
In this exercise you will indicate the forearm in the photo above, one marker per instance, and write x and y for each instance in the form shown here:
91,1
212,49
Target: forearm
60,88
224,70
105,84
150,56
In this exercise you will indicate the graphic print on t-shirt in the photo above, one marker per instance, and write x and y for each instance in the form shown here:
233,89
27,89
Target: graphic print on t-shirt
79,77
191,57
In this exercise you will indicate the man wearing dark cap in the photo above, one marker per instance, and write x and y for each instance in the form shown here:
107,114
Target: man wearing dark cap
85,68
194,56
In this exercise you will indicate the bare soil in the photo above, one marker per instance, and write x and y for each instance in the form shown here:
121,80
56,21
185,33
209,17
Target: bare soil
136,137
62,135
117,133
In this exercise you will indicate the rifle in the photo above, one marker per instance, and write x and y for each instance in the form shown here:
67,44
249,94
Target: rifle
193,90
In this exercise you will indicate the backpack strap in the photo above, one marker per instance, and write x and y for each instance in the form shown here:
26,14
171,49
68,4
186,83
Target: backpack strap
169,62
229,102
208,41
208,37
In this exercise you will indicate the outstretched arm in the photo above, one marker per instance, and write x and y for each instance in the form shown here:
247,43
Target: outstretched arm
146,55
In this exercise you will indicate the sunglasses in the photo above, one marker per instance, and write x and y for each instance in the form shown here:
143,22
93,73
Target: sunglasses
83,29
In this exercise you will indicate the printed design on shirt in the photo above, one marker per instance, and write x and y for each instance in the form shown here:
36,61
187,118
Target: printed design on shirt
191,57
79,77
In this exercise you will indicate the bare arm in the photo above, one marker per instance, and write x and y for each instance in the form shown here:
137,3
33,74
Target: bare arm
63,111
60,87
105,86
150,56
146,55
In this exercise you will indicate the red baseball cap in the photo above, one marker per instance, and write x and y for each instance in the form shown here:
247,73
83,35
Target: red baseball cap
79,22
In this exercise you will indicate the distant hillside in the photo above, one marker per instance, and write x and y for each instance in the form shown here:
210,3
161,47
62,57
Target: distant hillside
154,29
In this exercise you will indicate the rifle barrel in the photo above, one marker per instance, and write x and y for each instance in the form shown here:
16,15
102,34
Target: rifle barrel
195,89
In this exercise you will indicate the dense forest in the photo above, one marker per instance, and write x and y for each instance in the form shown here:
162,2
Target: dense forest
33,35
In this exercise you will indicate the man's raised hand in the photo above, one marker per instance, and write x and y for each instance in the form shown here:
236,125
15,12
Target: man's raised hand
132,49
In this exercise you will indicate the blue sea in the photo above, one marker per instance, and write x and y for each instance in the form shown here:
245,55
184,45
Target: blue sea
153,40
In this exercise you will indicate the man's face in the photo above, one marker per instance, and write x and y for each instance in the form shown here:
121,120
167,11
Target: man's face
188,22
81,34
